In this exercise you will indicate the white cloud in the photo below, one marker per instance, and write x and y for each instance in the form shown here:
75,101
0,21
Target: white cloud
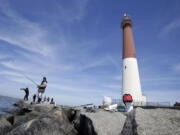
64,87
4,56
10,73
73,88
115,62
96,62
28,42
114,86
158,95
70,14
24,34
156,79
177,67
20,80
45,62
119,77
12,65
174,24
93,64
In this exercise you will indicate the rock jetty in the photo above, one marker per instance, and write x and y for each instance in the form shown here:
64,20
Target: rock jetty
46,119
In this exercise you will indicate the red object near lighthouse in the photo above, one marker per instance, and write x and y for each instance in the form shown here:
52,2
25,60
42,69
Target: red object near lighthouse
127,98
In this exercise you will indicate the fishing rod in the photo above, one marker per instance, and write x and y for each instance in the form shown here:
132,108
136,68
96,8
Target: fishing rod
29,79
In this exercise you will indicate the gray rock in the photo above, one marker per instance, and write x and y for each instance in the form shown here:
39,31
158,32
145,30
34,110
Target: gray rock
43,108
106,123
9,118
21,119
23,104
5,126
53,123
157,121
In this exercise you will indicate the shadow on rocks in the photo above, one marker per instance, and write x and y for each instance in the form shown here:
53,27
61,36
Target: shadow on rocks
82,124
5,126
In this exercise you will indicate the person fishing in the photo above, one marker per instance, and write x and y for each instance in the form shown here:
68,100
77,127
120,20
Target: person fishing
41,89
26,90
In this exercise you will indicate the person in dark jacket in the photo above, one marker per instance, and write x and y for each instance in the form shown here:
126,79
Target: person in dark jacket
45,99
52,101
34,98
48,99
26,90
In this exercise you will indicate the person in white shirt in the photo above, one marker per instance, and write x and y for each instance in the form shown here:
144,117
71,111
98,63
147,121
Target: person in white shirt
41,89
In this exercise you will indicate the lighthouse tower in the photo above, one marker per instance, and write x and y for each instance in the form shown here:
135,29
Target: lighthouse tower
130,81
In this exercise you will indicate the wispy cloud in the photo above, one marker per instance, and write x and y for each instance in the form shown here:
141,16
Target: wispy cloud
4,56
96,63
20,80
23,33
37,60
158,79
75,13
177,67
159,95
173,25
12,65
64,88
102,61
10,73
119,77
114,86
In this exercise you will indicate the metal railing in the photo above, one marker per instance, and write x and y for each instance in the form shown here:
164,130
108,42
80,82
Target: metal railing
156,104
117,101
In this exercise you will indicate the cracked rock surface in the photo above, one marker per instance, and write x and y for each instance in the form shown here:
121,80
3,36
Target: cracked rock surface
157,121
106,123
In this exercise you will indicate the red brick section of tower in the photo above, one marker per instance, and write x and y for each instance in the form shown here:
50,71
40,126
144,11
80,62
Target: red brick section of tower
128,41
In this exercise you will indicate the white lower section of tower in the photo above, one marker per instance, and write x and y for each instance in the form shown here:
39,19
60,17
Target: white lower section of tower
131,82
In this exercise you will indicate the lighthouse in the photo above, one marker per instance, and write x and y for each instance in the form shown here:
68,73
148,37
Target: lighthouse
130,80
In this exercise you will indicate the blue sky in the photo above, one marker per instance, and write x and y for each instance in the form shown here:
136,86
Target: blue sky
77,45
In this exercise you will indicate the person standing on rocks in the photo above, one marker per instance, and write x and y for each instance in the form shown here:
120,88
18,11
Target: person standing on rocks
45,99
48,99
52,101
26,90
34,98
41,89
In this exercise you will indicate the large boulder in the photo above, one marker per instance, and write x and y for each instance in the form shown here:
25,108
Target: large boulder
54,122
106,123
157,121
5,126
23,104
42,108
21,119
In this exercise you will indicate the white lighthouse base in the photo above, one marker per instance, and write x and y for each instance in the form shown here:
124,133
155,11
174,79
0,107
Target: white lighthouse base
128,107
131,81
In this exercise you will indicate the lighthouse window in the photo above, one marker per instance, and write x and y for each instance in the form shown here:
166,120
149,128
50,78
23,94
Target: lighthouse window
125,67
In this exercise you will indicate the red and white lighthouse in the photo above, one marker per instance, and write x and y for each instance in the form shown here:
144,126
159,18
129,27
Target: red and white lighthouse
130,80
